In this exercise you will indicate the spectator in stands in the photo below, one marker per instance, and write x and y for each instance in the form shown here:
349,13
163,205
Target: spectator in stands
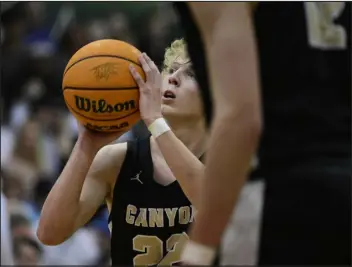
25,163
6,237
27,251
20,226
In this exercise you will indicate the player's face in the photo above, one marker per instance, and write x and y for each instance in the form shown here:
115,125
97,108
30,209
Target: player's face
180,93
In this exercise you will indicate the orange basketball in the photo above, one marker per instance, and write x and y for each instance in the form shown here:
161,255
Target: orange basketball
98,87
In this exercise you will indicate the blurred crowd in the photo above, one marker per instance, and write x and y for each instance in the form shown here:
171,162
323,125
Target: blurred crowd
38,132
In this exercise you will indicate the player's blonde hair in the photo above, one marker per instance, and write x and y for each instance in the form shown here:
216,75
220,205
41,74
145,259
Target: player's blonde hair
177,52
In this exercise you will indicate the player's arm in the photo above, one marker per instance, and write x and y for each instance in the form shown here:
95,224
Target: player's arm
185,166
228,34
81,188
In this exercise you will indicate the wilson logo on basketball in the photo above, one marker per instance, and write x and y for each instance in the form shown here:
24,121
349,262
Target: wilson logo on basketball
101,106
104,71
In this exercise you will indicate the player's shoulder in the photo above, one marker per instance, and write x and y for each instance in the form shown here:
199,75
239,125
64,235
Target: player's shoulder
108,161
113,152
110,157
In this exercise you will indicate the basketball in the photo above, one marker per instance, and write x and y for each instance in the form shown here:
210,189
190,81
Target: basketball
98,87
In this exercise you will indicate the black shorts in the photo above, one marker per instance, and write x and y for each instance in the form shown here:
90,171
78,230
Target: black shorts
197,54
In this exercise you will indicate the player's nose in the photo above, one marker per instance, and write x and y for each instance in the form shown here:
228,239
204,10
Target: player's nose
174,80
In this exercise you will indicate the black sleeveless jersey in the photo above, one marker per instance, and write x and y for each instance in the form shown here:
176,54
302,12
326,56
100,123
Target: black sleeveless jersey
148,219
305,68
305,63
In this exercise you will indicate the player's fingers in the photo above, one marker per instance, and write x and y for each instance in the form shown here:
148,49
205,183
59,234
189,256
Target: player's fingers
156,73
145,66
136,76
150,63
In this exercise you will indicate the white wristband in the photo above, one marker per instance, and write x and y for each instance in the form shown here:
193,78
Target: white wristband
198,254
158,127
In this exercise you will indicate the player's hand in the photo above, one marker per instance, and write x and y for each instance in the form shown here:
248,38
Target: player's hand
96,140
150,93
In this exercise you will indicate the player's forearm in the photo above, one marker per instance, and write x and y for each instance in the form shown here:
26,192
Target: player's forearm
232,145
185,166
237,123
61,208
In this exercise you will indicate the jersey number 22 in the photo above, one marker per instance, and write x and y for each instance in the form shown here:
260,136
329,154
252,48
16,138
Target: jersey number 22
152,249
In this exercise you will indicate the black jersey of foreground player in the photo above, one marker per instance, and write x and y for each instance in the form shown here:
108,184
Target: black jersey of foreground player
305,77
306,80
147,217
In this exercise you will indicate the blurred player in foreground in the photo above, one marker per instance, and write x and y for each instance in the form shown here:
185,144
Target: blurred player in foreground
305,152
149,210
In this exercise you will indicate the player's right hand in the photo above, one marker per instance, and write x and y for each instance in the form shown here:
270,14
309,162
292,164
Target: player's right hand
150,95
96,140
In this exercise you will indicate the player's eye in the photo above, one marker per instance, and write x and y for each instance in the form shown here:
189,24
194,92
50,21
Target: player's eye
171,70
190,73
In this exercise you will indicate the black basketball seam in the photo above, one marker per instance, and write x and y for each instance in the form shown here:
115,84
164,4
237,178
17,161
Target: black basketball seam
100,88
115,119
113,56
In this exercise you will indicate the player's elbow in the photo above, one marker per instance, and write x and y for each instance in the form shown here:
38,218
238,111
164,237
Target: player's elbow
255,125
254,129
49,236
251,127
247,119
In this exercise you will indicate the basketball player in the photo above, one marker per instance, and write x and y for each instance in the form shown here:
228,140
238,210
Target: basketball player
305,153
149,211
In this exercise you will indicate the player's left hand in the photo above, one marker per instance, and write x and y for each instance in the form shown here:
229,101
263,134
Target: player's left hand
150,93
